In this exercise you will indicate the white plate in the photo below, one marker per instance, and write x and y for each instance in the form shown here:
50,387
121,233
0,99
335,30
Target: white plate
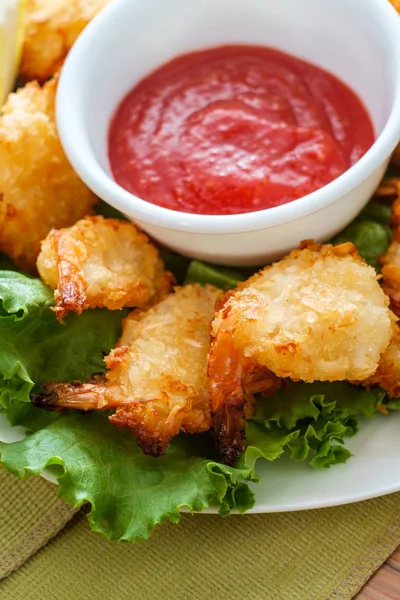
286,485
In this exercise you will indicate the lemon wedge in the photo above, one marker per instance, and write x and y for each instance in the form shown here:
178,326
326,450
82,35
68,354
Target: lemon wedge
11,39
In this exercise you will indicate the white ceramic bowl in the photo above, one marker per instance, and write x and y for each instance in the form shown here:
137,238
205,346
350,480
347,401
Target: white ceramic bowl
357,40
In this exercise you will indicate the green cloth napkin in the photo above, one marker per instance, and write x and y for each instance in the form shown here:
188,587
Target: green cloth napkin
311,555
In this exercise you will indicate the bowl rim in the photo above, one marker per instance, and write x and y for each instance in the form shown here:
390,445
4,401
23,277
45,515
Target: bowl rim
78,149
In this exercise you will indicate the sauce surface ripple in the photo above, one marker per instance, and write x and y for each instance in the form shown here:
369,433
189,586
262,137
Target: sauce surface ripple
235,129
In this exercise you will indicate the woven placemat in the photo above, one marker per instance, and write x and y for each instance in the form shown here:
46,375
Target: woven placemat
312,555
30,514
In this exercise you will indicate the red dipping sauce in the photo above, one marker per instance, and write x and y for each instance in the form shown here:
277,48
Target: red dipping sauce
236,129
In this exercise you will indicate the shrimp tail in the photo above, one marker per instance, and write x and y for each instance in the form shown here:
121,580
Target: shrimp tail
73,396
226,371
70,296
230,428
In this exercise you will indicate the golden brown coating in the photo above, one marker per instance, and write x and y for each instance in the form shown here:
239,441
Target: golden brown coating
157,378
52,26
308,317
387,375
38,188
104,263
396,4
391,260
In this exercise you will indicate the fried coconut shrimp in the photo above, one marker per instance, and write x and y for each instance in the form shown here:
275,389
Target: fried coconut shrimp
52,26
101,263
318,314
38,188
157,378
391,261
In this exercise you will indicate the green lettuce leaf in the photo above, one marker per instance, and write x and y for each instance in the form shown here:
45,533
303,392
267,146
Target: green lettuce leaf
321,415
268,444
129,492
370,233
178,265
374,211
371,239
35,348
334,401
319,444
221,277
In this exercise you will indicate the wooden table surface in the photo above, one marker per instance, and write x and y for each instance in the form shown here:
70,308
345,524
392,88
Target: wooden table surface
385,584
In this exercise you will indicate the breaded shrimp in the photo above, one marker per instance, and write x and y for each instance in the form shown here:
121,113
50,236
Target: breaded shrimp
101,263
157,378
387,375
52,26
318,314
38,187
391,260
